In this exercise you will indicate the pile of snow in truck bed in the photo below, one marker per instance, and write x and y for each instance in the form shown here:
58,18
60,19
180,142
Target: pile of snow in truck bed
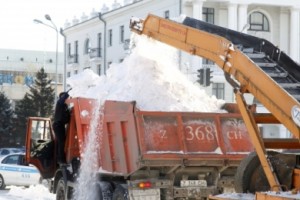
149,76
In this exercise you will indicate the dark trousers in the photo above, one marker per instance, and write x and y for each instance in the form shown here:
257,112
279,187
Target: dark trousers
60,133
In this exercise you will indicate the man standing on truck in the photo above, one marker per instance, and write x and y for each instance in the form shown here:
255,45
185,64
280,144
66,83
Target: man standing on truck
61,118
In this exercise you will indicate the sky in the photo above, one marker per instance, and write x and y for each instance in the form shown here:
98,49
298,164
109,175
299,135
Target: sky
18,31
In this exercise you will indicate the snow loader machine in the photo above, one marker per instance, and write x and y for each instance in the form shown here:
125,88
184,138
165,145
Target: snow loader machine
183,155
251,65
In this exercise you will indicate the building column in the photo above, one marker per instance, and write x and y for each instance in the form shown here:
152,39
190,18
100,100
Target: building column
243,18
197,9
232,16
294,34
284,28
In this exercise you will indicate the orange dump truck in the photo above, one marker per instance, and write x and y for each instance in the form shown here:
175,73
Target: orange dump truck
144,154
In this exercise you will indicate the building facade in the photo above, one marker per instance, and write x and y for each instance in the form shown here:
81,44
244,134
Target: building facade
103,37
18,69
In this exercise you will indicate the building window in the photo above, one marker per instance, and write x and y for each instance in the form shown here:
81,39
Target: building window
86,46
110,35
258,22
122,34
75,71
218,89
99,43
208,15
99,69
69,74
108,64
76,51
167,14
207,62
69,49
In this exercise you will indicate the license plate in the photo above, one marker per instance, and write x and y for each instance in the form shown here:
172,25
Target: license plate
147,192
193,183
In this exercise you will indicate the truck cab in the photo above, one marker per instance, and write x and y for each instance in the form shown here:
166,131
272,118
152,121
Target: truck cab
41,146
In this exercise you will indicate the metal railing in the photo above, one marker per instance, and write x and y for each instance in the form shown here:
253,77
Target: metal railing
73,58
95,52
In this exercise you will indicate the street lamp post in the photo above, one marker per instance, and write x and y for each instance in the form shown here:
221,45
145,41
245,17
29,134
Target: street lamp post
54,27
65,61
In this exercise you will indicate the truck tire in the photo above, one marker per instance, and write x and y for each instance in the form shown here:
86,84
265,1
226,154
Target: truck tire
104,190
120,193
61,190
249,173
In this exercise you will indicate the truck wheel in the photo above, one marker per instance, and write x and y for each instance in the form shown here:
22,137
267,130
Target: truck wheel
249,173
60,190
2,183
104,190
120,193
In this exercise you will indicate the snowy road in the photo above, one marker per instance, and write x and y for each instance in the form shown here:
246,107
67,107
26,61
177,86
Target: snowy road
38,192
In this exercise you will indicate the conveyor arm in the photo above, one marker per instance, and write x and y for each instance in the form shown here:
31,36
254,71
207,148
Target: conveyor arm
247,75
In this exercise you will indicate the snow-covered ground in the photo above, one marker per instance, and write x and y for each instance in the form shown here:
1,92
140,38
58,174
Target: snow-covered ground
38,192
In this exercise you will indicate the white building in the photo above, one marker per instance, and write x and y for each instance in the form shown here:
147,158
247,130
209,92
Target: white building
19,67
101,38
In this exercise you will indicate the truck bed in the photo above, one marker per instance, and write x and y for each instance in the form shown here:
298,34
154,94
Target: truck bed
133,139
